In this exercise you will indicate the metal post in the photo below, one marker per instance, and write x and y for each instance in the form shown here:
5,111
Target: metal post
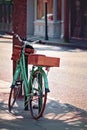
40,87
46,22
25,97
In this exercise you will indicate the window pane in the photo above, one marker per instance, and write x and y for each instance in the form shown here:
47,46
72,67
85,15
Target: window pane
40,8
50,7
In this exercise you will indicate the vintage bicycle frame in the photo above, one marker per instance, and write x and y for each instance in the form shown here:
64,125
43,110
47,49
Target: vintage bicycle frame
36,84
21,69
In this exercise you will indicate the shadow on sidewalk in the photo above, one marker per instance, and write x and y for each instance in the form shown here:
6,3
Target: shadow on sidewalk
57,116
60,48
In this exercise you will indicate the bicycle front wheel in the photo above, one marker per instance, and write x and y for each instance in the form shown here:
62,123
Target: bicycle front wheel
14,93
39,95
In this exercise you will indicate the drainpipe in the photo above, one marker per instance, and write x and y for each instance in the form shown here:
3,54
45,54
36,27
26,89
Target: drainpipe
46,22
62,19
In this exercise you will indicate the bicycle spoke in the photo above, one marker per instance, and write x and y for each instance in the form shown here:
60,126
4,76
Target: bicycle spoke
38,100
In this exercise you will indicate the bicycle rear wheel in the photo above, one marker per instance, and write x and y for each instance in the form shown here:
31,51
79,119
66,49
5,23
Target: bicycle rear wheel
14,93
39,95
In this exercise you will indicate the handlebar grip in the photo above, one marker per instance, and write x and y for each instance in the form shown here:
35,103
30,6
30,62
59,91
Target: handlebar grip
10,33
22,39
13,34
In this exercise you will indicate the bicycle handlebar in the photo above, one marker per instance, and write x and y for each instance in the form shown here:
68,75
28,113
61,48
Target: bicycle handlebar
23,41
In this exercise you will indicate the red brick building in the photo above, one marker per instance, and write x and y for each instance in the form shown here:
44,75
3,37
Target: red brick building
66,18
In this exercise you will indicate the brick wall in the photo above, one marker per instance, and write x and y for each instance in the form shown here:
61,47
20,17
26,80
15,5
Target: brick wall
19,22
19,18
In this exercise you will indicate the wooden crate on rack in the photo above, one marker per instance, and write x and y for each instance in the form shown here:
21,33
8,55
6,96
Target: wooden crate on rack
42,60
17,52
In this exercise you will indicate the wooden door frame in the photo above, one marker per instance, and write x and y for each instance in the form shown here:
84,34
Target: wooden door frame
66,20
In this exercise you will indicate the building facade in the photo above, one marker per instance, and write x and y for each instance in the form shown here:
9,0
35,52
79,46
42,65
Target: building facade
66,19
53,18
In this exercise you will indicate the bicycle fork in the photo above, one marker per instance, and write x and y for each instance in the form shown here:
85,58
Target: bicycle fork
45,79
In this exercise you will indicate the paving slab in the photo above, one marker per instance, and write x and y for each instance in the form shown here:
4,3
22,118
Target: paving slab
57,115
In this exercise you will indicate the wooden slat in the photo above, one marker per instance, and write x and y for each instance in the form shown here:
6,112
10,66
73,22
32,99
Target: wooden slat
17,52
42,60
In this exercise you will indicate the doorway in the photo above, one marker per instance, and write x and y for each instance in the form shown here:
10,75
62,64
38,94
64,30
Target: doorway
6,13
78,18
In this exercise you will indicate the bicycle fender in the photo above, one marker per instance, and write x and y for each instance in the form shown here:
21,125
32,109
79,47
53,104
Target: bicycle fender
45,79
16,74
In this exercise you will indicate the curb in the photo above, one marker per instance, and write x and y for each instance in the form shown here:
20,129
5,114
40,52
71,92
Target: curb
57,42
66,44
6,36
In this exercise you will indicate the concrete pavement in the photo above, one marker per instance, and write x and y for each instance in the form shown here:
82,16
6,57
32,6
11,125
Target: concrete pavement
76,43
57,116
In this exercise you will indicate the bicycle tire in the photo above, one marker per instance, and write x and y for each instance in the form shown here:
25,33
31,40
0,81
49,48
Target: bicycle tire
13,96
39,97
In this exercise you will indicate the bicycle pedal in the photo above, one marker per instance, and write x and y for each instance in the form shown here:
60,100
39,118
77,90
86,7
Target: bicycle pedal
36,94
19,82
35,107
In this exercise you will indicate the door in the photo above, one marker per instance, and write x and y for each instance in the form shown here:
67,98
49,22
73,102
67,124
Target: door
6,11
79,19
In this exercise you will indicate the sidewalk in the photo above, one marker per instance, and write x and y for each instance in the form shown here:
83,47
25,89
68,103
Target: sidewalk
78,43
60,42
57,116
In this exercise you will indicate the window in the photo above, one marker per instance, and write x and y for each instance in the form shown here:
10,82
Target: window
5,1
40,8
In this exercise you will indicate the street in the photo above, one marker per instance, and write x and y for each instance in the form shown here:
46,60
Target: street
67,83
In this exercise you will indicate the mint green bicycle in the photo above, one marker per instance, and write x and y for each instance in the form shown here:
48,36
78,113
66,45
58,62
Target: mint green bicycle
35,89
35,86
